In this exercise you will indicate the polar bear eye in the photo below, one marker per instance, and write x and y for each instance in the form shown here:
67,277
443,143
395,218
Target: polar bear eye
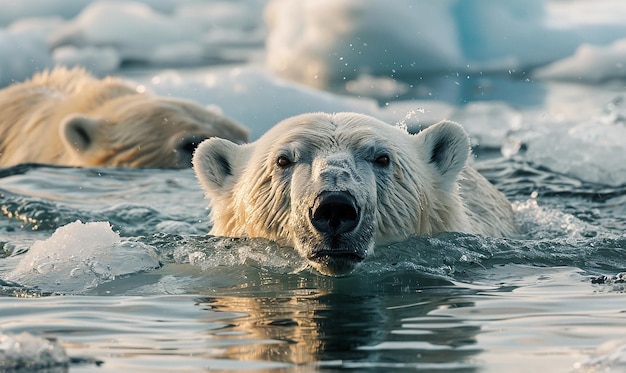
382,160
282,161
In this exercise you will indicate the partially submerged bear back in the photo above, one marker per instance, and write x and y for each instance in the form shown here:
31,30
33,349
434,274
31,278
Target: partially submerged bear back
68,117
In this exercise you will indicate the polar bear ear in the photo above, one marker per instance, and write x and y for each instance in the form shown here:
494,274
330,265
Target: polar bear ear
446,146
79,132
213,163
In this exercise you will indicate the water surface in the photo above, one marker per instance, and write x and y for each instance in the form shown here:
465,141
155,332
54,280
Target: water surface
147,290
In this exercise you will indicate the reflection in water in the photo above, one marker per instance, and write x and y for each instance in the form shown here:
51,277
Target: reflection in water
338,329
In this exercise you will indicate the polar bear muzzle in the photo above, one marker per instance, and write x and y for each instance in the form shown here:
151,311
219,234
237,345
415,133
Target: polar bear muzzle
338,235
334,213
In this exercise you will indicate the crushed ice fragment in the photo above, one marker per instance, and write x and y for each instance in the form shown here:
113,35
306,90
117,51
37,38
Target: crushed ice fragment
27,352
80,256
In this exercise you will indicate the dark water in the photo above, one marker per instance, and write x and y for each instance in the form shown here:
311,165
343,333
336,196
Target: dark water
165,296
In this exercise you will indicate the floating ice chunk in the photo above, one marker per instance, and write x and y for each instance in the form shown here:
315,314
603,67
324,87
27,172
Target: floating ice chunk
609,356
39,26
320,41
78,257
545,223
591,64
590,151
24,351
189,34
135,29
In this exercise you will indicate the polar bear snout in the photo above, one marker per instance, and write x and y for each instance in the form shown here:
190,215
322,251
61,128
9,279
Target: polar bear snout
334,213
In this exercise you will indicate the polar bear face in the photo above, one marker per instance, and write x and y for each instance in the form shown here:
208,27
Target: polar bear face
143,131
334,186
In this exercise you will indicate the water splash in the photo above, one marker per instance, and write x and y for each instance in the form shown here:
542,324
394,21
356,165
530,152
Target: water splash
410,120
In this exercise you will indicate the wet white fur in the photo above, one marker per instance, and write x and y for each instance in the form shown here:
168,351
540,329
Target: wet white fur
428,188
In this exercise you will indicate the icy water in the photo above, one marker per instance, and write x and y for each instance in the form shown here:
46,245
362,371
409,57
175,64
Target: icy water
111,270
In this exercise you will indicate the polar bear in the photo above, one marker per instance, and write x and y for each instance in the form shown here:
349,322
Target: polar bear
68,117
334,186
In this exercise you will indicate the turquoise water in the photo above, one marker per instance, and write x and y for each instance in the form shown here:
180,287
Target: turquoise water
164,296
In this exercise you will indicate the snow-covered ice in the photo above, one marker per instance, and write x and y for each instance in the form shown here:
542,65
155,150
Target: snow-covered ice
589,64
319,41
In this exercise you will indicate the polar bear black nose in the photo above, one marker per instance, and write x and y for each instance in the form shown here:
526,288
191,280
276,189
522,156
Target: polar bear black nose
335,213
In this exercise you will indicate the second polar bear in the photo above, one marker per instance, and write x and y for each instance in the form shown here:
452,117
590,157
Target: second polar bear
70,118
335,185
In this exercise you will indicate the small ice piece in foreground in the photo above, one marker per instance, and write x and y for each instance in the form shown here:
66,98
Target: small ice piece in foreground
609,356
80,256
28,352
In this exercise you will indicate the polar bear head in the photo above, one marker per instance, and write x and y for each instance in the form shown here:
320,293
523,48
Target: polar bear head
333,186
143,131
